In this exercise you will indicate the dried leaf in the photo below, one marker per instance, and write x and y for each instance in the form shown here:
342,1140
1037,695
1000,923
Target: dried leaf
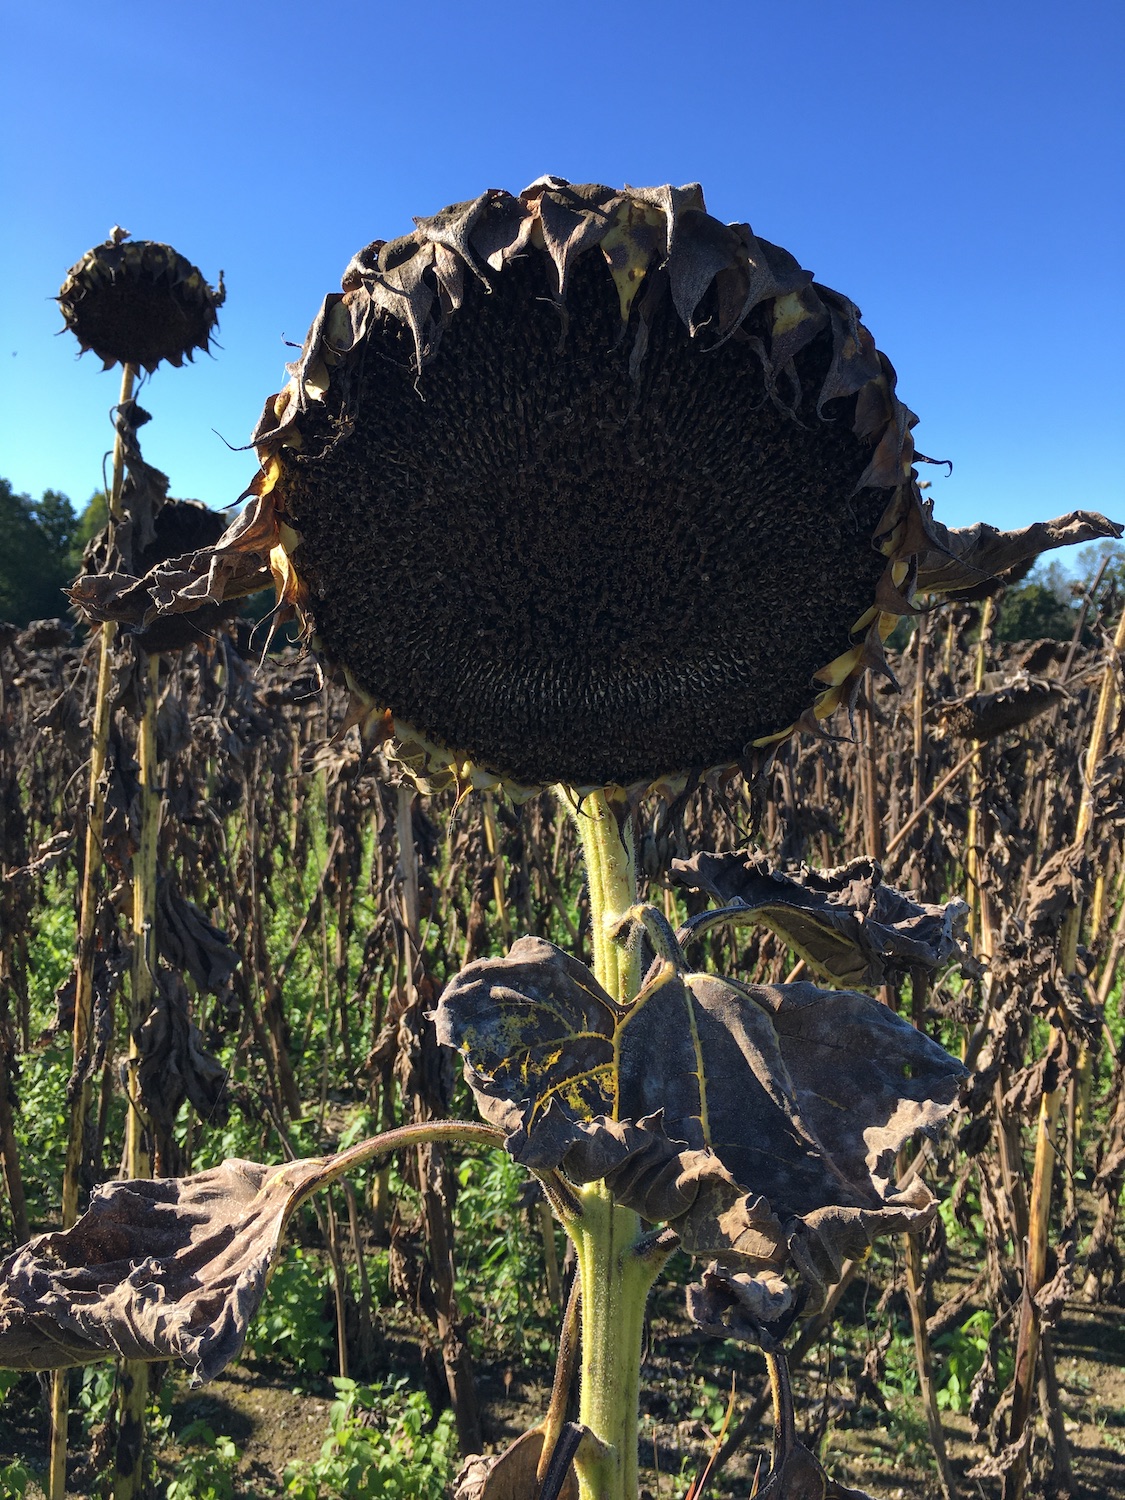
174,1064
763,1123
734,1305
845,923
172,1268
983,716
961,559
511,1475
189,942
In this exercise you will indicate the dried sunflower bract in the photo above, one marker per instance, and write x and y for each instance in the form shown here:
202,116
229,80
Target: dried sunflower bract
139,302
585,486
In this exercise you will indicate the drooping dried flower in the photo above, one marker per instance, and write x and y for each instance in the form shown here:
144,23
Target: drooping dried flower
584,486
137,302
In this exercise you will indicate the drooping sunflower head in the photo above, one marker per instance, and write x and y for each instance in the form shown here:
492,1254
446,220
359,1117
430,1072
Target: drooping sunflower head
585,486
138,302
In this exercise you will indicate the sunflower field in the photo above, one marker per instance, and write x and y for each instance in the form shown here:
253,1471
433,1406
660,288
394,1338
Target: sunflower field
605,982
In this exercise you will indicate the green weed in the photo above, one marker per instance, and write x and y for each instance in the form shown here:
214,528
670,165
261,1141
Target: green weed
293,1324
207,1474
383,1442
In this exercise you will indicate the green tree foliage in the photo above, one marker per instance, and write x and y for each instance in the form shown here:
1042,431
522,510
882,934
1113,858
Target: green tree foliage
1033,611
1046,605
89,523
37,536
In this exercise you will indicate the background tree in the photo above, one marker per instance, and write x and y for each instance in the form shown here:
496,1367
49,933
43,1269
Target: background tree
1036,610
93,518
35,558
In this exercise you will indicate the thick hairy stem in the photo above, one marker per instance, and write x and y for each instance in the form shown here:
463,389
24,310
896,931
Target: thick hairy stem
611,876
615,1278
615,1272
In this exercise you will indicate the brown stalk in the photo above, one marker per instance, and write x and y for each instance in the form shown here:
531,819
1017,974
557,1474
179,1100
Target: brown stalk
923,1355
916,1297
133,1375
84,984
915,817
977,776
437,1215
1027,1348
492,843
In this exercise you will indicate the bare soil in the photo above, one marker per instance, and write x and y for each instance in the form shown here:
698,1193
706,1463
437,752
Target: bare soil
273,1420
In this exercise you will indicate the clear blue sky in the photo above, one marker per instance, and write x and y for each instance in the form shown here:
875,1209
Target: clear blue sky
955,168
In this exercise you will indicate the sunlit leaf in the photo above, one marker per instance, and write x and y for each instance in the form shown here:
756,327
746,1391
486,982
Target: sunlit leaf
762,1122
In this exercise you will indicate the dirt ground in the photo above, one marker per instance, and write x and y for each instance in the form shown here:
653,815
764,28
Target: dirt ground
272,1421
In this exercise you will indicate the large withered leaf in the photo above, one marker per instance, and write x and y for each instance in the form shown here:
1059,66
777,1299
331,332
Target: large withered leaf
962,558
172,1268
763,1123
845,923
805,1095
536,1032
536,1035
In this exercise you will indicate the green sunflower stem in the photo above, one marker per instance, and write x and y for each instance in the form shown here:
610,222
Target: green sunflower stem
615,1278
614,1270
606,831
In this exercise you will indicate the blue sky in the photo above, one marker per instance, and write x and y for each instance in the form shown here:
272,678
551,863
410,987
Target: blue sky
955,168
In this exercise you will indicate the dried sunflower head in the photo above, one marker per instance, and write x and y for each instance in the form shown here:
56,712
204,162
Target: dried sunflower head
138,302
584,486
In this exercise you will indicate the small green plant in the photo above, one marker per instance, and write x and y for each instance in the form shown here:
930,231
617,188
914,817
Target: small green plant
206,1474
14,1480
495,1248
963,1350
711,1405
383,1442
293,1325
95,1395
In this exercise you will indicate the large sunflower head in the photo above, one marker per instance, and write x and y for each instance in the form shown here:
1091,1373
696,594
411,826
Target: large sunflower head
140,303
585,486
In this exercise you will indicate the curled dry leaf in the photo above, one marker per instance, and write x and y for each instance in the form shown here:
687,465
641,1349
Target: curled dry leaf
172,1268
732,1305
762,1122
512,1475
174,1062
189,941
983,716
959,560
845,923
